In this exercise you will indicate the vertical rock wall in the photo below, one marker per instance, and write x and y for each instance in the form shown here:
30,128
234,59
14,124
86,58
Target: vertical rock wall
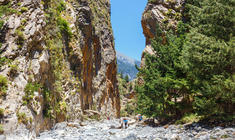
165,13
99,83
59,61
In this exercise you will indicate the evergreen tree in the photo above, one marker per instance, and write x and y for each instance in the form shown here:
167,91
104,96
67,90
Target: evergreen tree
193,69
127,78
213,18
209,56
164,80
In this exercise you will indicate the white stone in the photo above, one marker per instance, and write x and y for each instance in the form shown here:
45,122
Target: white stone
35,66
21,82
33,29
11,22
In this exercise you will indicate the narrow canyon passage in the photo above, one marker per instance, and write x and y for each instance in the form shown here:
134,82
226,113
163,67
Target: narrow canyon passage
117,69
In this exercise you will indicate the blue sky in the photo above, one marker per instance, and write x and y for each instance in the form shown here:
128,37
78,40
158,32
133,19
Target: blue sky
126,23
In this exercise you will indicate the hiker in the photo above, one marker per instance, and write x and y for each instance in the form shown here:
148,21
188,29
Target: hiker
140,118
124,122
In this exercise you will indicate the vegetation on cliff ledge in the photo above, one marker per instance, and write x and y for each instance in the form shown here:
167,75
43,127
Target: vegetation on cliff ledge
3,85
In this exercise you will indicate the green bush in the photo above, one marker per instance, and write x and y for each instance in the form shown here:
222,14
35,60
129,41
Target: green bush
23,9
21,37
123,113
22,118
1,24
61,7
23,21
64,27
19,4
188,118
1,113
6,10
3,85
1,129
130,109
3,60
153,1
29,91
171,1
95,117
47,110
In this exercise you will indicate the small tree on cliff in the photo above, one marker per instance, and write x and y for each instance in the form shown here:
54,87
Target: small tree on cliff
127,78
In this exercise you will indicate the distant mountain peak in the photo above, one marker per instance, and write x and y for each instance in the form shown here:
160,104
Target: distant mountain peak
126,65
125,58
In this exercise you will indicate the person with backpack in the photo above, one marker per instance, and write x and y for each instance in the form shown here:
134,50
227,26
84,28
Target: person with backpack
140,118
124,123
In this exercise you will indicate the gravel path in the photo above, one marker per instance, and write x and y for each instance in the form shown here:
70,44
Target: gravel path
104,131
107,130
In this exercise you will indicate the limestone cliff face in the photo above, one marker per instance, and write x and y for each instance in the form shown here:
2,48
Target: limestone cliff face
165,13
58,62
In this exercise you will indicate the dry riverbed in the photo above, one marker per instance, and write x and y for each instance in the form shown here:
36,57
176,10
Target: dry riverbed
108,130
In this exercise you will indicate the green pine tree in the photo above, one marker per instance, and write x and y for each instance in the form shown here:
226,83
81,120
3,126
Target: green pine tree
193,70
164,79
209,56
127,78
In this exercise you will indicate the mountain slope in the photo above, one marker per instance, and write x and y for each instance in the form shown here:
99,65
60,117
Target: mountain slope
126,65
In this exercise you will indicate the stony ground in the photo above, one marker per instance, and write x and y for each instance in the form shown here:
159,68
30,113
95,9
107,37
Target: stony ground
106,130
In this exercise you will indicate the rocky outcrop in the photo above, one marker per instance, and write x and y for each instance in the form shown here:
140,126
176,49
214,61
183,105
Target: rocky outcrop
58,58
165,13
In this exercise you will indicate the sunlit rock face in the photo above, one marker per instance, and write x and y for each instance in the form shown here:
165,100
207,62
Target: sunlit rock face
59,61
165,13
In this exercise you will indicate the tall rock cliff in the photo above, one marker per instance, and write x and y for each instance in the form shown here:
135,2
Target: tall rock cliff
57,62
165,13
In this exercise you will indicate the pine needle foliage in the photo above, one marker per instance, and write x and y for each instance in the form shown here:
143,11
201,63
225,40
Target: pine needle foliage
193,69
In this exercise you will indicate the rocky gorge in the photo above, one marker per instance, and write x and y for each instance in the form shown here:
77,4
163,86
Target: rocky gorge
58,73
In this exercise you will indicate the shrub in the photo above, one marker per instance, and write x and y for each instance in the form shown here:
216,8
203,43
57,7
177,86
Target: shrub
1,24
29,92
130,109
64,27
3,60
23,9
152,1
23,21
13,70
95,117
19,4
3,85
188,118
47,110
6,10
171,1
123,113
61,7
1,129
22,118
21,37
1,113
178,16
